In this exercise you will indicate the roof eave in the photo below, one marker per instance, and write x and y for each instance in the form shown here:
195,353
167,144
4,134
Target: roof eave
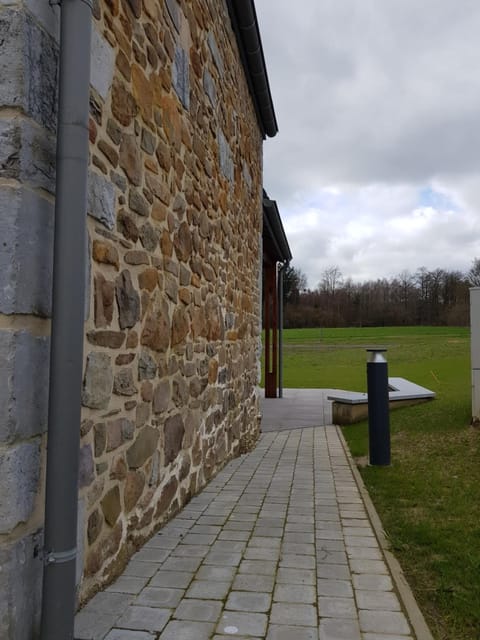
245,25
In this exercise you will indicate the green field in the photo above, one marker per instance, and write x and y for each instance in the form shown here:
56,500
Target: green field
429,499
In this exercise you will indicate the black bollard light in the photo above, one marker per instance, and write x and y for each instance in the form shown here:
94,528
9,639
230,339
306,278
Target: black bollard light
378,409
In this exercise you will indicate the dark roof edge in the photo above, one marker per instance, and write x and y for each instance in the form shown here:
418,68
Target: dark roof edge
245,25
275,226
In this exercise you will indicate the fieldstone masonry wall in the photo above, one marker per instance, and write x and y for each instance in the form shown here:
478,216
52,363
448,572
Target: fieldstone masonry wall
172,327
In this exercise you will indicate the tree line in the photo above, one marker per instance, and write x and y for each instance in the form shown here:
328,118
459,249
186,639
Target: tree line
422,297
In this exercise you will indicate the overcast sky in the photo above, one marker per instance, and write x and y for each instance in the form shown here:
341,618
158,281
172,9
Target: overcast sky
376,166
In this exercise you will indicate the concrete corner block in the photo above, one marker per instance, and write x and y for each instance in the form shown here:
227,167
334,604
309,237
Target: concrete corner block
19,480
101,199
48,15
21,587
26,252
27,154
23,385
102,64
28,67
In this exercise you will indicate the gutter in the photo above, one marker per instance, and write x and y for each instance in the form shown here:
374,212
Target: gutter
245,25
66,355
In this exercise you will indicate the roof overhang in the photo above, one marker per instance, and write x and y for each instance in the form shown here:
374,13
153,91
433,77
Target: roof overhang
274,238
245,25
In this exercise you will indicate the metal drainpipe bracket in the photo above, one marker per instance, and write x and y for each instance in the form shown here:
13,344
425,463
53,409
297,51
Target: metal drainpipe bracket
59,557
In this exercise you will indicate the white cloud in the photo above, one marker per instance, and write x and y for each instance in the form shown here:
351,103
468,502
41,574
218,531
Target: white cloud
378,104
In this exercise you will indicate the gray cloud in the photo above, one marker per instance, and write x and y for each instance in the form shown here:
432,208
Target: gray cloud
379,99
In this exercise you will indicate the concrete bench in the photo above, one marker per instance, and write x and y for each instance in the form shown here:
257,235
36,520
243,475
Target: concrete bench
351,406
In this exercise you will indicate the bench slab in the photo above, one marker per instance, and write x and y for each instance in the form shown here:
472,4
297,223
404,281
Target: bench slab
351,406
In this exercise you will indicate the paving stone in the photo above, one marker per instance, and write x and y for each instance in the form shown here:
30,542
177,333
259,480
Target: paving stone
250,624
261,553
93,625
238,526
374,600
206,529
259,541
336,588
293,614
198,610
295,576
185,630
297,593
222,637
223,558
249,582
361,541
128,584
215,573
248,601
331,557
258,567
181,564
337,608
144,618
383,636
368,566
284,632
234,535
124,634
173,579
163,541
228,546
336,629
358,531
298,549
273,532
160,597
297,562
325,534
151,555
109,603
383,622
199,538
208,589
364,553
372,582
333,571
140,569
190,551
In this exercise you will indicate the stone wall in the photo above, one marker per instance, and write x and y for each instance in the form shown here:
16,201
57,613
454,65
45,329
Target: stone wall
172,317
174,220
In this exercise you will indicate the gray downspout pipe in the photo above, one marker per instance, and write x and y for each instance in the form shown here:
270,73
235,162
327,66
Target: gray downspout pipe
66,356
280,328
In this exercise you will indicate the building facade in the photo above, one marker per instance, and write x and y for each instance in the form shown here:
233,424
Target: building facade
173,312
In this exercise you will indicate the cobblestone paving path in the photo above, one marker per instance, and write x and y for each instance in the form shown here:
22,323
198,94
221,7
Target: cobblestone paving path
278,547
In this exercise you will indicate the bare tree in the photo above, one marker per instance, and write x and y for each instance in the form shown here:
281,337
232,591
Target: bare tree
473,276
331,279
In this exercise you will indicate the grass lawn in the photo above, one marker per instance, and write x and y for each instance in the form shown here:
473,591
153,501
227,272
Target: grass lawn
429,499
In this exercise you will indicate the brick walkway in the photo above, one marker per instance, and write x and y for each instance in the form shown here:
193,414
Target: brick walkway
278,547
